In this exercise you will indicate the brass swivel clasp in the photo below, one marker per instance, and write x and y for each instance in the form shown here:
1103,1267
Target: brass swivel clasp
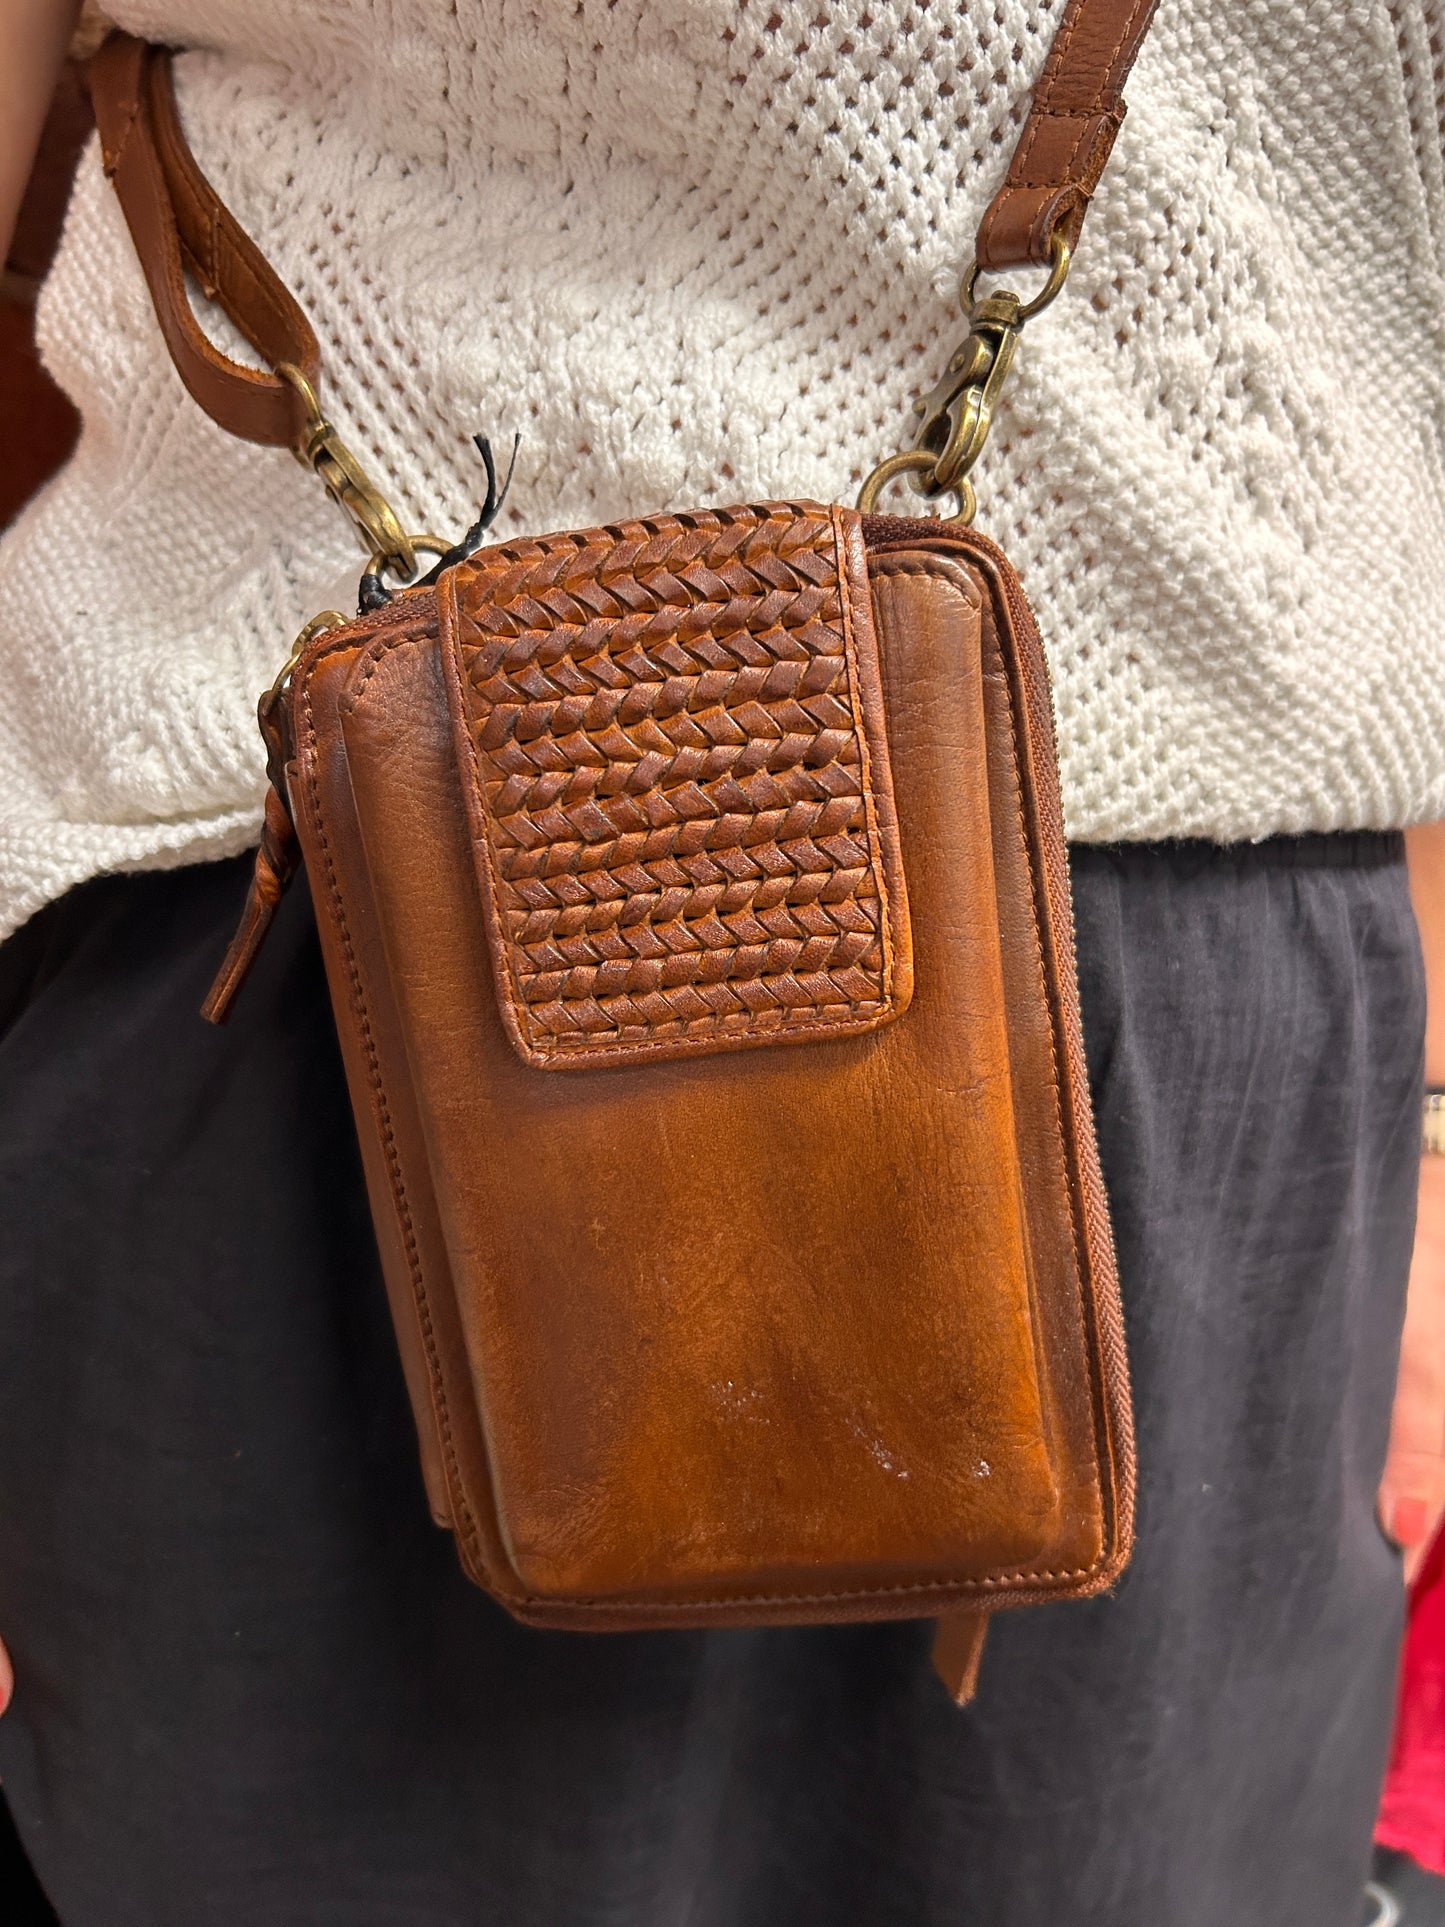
956,416
348,484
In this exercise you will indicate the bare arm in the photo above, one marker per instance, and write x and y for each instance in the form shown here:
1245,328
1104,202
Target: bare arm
1412,1493
33,37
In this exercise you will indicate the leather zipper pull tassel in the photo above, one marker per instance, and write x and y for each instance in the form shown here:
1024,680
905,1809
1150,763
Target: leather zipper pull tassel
277,861
957,1652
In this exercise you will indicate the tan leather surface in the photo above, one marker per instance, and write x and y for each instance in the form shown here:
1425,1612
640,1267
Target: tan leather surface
958,1653
178,223
1074,116
403,1212
807,1334
1057,1146
671,739
277,856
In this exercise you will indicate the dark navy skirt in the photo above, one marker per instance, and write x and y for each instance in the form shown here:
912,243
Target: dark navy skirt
255,1691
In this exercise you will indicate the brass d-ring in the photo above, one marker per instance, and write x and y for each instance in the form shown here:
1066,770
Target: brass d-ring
915,461
381,564
1061,257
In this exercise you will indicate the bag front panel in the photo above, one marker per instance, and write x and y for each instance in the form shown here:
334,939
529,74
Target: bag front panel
621,1244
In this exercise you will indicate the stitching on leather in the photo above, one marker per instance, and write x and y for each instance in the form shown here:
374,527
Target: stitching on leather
593,1605
1048,80
1065,1188
237,269
870,813
1064,176
1102,1308
228,264
453,671
456,1486
1110,79
1127,31
1058,53
1099,1294
954,1588
880,567
629,1053
1024,152
679,1033
872,1018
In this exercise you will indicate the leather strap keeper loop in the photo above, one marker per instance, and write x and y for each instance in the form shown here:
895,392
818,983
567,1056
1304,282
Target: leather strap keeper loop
1076,112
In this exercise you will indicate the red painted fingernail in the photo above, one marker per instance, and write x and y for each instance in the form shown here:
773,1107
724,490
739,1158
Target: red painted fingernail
1409,1522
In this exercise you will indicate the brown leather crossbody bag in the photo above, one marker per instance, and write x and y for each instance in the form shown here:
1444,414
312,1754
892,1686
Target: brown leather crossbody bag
695,907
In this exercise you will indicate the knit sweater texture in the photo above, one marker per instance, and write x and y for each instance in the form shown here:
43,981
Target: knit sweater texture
707,251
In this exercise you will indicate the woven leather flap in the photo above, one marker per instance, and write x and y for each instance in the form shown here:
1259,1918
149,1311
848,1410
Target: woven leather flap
671,736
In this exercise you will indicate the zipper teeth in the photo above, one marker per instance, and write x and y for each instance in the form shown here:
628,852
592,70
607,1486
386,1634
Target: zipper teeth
1103,1295
1106,1297
405,606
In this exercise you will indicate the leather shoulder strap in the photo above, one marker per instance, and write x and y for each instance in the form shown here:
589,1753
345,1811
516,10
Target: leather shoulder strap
1077,109
178,222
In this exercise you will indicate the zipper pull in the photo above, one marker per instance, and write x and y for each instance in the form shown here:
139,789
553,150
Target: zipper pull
277,861
279,857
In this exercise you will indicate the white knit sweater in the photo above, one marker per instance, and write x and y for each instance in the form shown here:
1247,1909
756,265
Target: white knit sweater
704,251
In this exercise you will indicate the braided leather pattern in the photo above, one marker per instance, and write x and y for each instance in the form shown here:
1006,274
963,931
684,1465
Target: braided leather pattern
673,778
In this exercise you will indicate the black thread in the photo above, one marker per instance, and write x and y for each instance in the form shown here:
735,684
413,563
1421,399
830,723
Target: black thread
491,508
372,592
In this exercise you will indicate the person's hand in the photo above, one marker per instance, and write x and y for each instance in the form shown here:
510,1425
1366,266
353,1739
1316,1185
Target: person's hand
1412,1492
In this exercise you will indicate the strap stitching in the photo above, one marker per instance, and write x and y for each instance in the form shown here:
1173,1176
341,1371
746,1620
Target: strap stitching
1065,178
467,1523
1041,111
1112,80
